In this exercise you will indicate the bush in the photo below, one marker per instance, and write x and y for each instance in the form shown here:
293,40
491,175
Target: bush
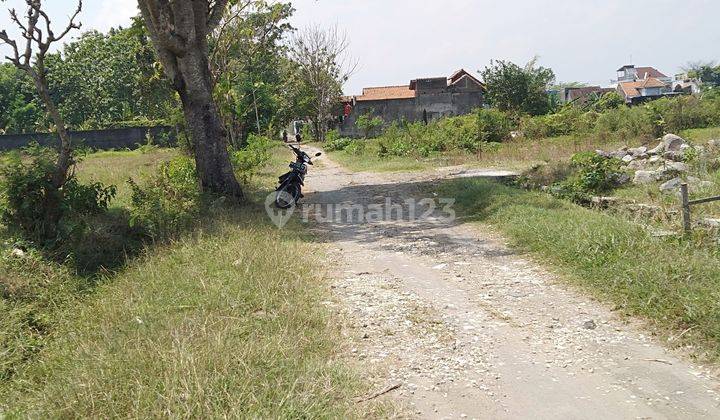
626,123
457,133
420,140
396,141
594,174
36,210
355,147
168,200
332,135
568,120
493,125
368,124
351,146
610,100
254,155
684,112
337,144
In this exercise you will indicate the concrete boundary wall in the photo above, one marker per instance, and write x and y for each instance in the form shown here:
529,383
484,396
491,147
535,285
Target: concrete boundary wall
121,138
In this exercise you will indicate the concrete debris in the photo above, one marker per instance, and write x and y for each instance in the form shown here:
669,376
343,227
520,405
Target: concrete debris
672,186
645,177
677,156
710,223
672,142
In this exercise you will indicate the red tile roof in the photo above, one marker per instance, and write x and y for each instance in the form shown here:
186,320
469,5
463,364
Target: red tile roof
386,92
408,91
651,82
632,89
646,72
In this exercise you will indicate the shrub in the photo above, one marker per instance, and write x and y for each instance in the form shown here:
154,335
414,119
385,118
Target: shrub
459,133
610,100
493,125
168,200
254,155
684,112
568,120
39,212
332,135
594,174
626,123
337,144
368,124
355,147
396,141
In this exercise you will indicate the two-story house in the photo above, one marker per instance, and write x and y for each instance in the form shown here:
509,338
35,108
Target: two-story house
639,84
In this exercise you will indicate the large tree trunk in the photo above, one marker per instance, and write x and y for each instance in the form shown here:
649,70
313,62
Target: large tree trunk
179,31
208,133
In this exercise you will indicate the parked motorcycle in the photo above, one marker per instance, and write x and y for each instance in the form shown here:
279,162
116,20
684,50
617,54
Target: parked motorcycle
290,189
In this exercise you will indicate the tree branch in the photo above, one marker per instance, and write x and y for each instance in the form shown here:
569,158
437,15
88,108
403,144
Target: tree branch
215,14
11,42
70,26
159,21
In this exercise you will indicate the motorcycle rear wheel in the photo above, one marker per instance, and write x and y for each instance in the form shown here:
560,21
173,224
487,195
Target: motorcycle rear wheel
287,196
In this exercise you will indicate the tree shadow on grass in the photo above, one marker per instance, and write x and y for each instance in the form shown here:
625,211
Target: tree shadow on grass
106,244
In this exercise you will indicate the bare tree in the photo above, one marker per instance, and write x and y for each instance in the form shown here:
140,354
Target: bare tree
179,31
28,55
325,65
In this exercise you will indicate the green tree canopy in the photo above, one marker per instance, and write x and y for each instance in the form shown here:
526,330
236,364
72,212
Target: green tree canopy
248,59
97,81
102,80
518,89
20,111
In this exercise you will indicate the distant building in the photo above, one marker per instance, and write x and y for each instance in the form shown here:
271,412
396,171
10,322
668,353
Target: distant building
640,84
423,99
630,73
582,95
683,83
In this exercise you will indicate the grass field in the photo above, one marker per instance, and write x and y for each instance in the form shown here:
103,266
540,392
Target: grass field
672,282
116,167
517,154
226,320
701,135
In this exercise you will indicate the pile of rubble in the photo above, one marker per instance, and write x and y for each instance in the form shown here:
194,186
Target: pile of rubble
664,164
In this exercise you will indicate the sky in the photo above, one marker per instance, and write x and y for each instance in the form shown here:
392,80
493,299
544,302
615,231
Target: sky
395,41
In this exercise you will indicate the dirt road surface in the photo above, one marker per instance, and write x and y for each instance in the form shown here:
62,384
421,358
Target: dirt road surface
468,328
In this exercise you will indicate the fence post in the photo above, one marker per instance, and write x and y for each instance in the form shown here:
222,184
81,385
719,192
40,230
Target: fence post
685,207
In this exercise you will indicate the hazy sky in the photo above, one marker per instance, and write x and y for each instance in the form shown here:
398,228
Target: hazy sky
398,40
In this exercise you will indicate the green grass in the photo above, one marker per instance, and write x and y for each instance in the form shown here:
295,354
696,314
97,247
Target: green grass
368,162
116,167
517,154
219,324
227,320
674,283
701,135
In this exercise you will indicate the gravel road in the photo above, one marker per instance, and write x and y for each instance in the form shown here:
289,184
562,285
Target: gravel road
468,328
